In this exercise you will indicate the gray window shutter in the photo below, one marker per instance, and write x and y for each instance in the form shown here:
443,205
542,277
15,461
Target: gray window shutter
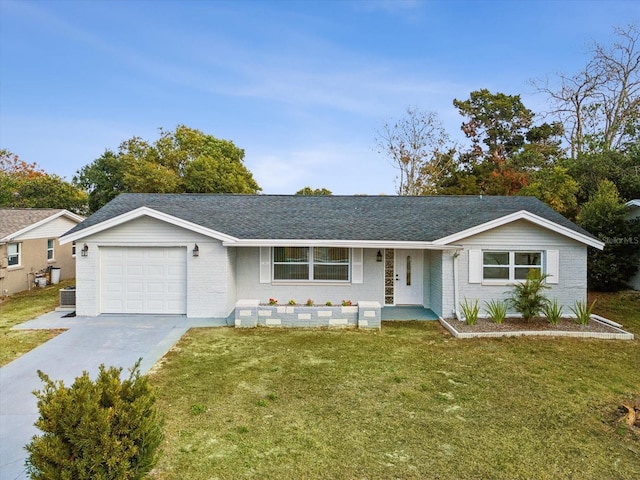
553,266
475,266
357,275
265,264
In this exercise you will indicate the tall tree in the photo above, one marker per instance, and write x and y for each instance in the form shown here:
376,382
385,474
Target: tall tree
418,146
184,160
499,122
604,216
314,191
506,147
26,185
599,106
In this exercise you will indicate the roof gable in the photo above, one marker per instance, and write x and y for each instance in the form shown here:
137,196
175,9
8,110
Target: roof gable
248,219
19,221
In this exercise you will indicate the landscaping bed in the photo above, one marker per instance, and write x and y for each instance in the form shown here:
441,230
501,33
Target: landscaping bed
566,327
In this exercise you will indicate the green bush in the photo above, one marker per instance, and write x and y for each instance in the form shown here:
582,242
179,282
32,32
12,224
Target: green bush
527,298
107,429
553,312
470,311
497,310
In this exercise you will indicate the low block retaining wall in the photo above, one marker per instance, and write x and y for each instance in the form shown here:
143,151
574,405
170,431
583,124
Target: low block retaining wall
249,313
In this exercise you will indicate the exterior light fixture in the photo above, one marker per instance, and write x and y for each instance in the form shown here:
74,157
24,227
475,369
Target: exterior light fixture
379,256
85,250
196,250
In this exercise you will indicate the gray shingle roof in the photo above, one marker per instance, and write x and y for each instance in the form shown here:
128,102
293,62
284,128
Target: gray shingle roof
383,218
13,220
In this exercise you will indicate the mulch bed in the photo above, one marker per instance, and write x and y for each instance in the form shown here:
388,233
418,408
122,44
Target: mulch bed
537,324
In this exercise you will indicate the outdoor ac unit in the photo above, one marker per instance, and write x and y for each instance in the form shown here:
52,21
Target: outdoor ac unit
68,297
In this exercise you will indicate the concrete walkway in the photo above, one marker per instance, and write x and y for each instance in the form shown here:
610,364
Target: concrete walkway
89,342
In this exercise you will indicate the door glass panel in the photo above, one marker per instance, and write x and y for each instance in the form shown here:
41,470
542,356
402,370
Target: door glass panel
408,270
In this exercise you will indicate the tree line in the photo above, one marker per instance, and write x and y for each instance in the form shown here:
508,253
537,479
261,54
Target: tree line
582,157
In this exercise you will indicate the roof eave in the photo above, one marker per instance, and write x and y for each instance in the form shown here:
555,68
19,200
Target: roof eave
144,212
295,242
22,231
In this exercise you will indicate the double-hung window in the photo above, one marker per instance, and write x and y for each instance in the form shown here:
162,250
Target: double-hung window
510,266
13,254
50,249
311,264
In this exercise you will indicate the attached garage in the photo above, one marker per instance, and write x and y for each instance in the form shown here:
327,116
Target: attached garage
143,280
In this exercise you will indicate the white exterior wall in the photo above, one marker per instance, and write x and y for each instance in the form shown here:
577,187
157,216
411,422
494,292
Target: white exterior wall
249,286
635,280
208,292
525,236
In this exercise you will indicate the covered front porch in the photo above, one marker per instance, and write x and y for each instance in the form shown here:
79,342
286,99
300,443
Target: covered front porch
407,312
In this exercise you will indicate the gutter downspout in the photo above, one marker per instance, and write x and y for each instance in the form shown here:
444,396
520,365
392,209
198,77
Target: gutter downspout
456,314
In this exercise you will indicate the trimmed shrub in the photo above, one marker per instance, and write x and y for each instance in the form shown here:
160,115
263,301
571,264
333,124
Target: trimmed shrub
107,429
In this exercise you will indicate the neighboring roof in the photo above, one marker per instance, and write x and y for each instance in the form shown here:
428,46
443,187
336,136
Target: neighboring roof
245,218
16,221
633,203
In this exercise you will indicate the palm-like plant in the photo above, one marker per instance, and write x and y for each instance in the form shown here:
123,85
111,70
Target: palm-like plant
527,298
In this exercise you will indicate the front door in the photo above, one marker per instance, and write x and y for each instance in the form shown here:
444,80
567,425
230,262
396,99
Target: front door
408,277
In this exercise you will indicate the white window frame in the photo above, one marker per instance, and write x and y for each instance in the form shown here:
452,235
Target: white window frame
310,262
511,265
51,249
17,254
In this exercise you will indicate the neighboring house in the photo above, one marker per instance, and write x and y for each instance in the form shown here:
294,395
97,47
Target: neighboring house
634,212
197,255
29,244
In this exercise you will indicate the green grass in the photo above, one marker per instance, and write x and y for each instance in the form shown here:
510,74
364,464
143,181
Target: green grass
22,307
408,402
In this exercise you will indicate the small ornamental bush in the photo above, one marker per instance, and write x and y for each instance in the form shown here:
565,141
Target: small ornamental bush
309,303
329,304
553,312
583,311
527,298
273,301
107,429
497,310
347,303
470,311
292,302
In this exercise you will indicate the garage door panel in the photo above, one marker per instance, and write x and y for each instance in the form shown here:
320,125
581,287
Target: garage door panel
143,280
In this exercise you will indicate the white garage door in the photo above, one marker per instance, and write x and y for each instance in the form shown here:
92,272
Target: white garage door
143,280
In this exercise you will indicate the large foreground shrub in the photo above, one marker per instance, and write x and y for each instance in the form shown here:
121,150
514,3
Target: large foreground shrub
107,429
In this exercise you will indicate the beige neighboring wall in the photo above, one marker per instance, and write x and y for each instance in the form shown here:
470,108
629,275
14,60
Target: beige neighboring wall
32,229
34,259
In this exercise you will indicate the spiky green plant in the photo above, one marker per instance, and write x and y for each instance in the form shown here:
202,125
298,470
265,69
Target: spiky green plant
496,309
470,311
552,311
582,311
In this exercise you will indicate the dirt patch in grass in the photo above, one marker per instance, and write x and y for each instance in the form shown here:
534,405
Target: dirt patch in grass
536,324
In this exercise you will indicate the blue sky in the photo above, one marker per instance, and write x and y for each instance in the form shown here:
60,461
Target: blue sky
302,86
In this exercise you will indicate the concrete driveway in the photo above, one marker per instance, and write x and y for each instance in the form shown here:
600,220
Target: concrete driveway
89,342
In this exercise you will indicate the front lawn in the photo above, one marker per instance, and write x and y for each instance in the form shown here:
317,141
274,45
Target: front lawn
407,402
22,307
